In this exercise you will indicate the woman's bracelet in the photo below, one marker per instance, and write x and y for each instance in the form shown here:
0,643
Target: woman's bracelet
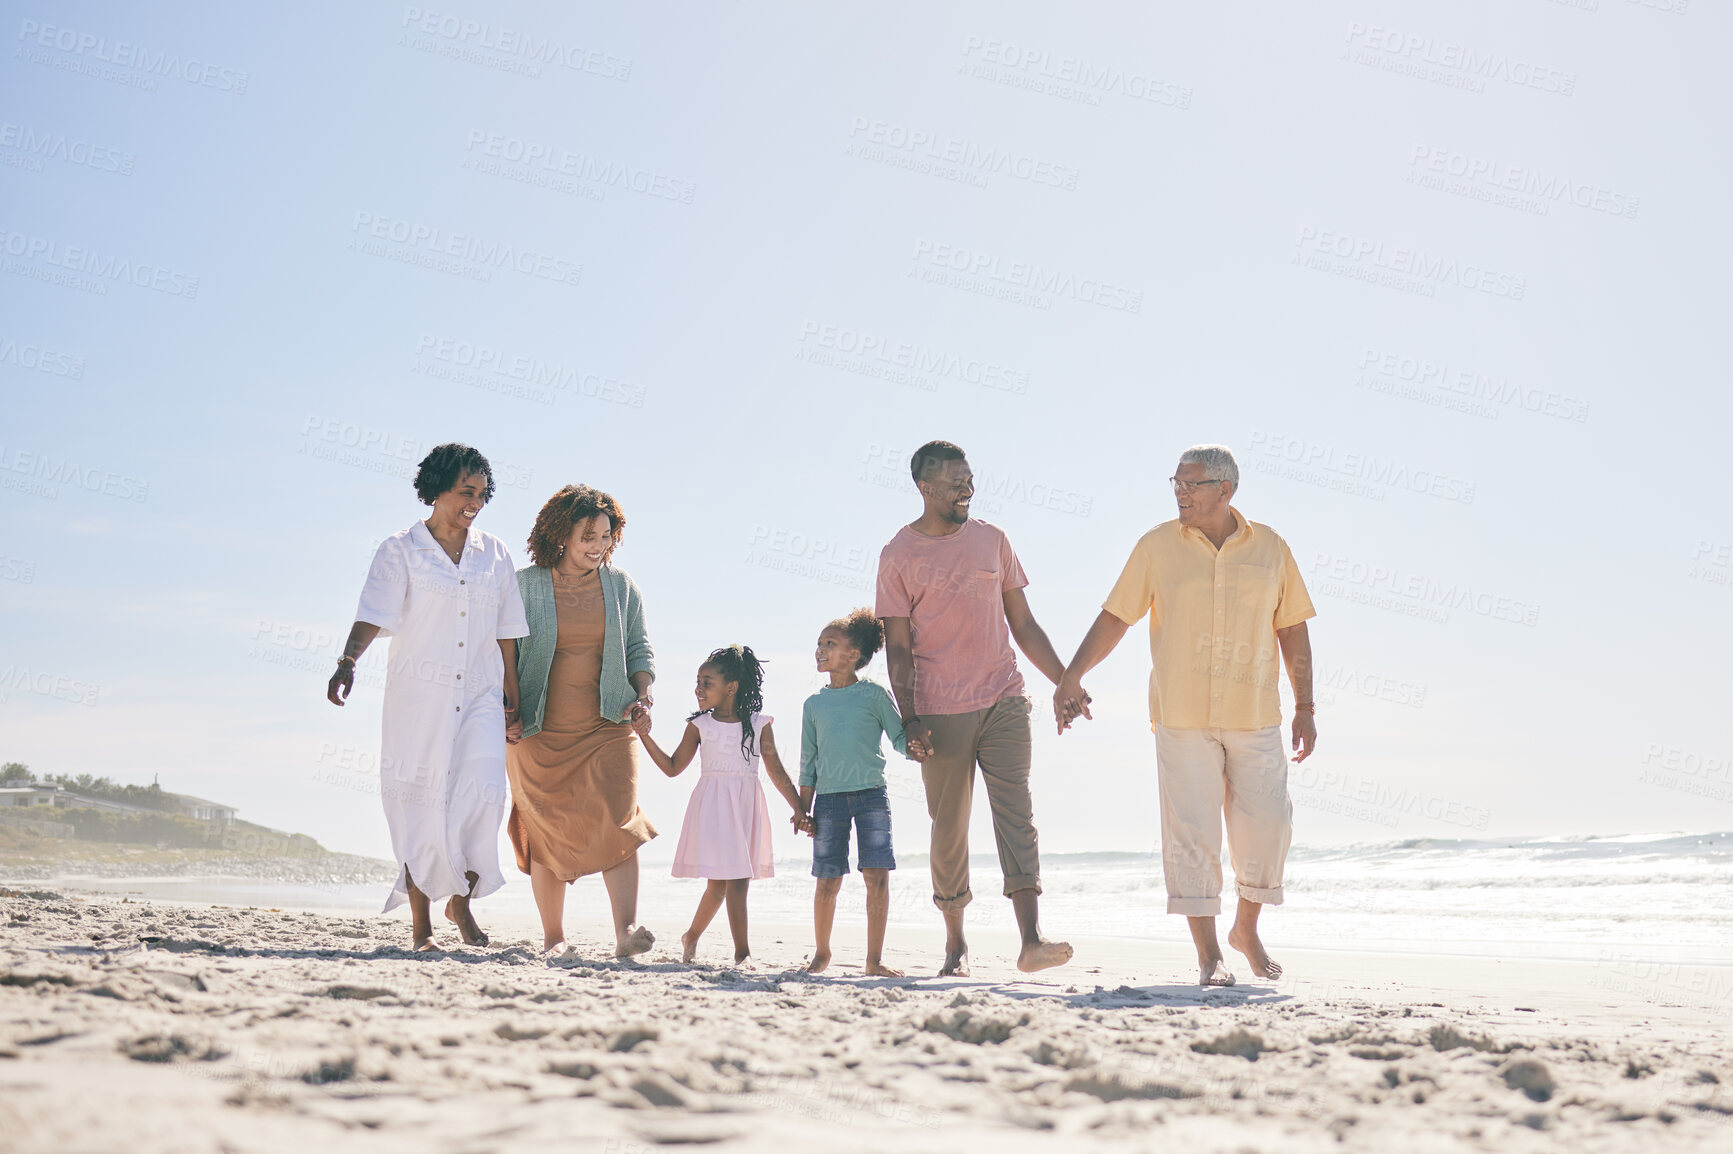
1310,707
344,658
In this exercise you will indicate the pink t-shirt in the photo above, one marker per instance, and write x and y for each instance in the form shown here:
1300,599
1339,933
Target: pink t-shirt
952,591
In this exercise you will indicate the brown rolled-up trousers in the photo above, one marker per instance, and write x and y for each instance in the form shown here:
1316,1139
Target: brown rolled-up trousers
996,739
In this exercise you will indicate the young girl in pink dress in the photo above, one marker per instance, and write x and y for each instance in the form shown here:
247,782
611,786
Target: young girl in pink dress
726,838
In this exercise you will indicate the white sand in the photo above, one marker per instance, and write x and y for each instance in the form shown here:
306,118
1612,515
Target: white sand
172,1027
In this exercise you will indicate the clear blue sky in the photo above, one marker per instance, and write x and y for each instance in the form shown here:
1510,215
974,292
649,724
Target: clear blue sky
1451,280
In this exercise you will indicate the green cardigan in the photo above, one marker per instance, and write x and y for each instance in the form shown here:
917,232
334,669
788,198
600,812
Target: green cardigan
625,649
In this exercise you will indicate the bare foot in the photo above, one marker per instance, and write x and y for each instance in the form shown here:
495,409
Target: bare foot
1043,956
1214,974
880,970
688,947
820,962
427,945
459,916
1246,942
743,960
555,949
956,962
638,941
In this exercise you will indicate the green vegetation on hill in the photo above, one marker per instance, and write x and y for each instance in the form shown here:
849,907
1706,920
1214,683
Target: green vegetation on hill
151,796
136,828
166,830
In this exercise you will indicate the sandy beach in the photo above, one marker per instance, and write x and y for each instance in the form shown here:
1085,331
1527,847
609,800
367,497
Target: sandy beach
166,1026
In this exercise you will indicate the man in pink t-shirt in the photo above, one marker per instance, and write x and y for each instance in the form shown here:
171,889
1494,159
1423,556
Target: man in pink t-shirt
950,591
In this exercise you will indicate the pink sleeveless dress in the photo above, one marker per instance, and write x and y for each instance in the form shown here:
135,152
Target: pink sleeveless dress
727,829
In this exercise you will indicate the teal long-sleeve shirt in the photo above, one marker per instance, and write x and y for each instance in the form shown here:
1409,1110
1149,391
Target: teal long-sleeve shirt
839,737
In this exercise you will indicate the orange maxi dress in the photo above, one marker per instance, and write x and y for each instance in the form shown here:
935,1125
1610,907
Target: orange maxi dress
574,785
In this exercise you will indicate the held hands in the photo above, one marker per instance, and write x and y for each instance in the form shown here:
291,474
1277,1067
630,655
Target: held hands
1070,702
802,822
638,713
918,740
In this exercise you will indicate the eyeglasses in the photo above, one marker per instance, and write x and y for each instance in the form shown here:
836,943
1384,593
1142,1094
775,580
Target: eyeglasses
1180,486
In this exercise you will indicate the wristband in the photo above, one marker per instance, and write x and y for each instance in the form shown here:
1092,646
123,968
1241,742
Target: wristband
347,658
1309,706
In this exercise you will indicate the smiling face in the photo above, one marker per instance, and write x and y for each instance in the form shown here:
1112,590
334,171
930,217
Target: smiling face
590,543
712,691
836,653
1205,504
462,503
948,489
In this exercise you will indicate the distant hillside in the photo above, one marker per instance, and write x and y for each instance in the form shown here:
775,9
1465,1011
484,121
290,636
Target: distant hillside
98,809
151,796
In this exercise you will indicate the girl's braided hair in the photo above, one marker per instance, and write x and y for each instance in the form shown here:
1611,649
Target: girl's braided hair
737,663
864,631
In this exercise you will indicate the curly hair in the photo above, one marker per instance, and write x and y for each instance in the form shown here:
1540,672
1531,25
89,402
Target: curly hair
864,631
445,465
737,663
930,457
574,503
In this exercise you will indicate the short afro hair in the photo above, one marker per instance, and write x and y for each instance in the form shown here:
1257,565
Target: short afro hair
574,503
445,465
864,631
932,456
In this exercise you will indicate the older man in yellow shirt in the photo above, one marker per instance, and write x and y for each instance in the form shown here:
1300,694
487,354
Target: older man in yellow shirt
1223,596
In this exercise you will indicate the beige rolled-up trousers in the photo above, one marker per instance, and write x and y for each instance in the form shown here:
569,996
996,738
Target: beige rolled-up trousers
998,740
1206,775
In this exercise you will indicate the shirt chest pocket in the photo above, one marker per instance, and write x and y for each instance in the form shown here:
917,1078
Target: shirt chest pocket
981,584
1256,587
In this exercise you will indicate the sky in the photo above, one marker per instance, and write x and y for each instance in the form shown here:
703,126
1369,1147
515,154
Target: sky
1450,279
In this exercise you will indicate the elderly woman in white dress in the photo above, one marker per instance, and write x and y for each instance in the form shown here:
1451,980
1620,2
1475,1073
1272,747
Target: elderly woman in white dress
447,595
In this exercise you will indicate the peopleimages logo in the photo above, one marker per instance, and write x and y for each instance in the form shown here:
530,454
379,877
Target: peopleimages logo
1414,594
1422,55
1017,278
530,158
42,145
887,467
57,686
1487,178
419,243
1385,371
514,373
883,140
924,362
1361,467
1070,77
46,470
81,263
40,358
85,46
382,451
526,47
1373,257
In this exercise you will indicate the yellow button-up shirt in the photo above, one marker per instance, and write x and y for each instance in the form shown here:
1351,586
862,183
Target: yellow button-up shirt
1213,616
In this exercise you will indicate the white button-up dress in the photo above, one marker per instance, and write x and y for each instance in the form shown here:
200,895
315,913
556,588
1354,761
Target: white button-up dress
442,750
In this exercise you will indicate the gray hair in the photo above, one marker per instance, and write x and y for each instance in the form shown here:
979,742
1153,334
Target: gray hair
1217,461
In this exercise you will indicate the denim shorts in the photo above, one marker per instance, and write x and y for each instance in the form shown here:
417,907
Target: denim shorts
869,810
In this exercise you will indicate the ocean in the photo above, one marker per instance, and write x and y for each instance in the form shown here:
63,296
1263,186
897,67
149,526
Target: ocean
1573,898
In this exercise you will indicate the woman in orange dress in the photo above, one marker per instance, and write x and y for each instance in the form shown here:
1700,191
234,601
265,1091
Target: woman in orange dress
585,672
